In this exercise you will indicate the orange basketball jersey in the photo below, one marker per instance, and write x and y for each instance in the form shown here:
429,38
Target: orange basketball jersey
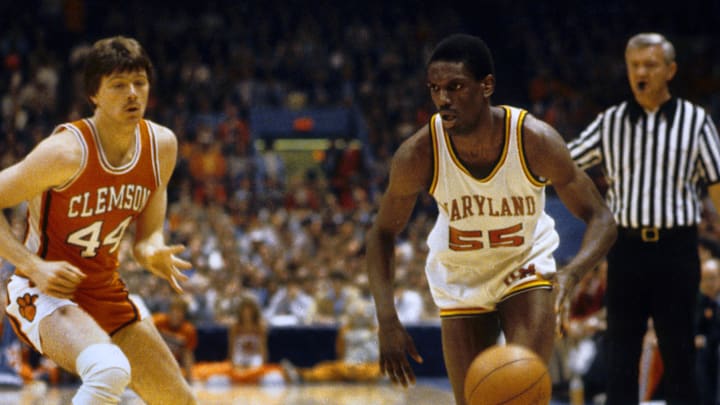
83,221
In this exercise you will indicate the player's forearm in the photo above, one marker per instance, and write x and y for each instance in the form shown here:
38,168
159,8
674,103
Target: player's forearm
381,273
15,252
600,234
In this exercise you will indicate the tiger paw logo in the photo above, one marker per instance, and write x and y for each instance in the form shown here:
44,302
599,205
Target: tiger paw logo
27,306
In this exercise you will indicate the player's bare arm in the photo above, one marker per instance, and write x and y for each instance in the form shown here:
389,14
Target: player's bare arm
548,157
53,162
410,174
150,249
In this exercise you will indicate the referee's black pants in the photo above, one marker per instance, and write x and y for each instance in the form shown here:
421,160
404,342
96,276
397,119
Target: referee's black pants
660,280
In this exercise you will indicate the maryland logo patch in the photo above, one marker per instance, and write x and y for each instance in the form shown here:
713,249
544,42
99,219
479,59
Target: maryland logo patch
27,306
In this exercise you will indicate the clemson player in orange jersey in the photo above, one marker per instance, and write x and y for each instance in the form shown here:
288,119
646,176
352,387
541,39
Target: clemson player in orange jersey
84,186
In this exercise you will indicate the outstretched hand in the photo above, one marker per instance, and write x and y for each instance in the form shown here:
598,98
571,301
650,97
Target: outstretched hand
163,263
395,345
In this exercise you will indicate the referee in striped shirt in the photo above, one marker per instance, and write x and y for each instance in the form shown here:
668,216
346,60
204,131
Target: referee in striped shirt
659,153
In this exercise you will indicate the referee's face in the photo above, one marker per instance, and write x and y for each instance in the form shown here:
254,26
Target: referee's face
649,74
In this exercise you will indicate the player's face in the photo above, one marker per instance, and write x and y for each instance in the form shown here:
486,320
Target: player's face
457,95
649,73
123,96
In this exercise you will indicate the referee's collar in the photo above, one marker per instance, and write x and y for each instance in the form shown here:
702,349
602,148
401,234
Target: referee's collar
635,110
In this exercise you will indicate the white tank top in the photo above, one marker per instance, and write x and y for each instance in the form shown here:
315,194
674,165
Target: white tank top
491,224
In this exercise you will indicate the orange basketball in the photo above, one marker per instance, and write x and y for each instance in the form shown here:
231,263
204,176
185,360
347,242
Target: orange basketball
509,374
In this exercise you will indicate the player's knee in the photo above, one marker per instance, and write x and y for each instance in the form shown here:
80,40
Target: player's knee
104,371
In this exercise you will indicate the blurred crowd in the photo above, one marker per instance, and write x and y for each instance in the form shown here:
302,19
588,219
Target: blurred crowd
295,241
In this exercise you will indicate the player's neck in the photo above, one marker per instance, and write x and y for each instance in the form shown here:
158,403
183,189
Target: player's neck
481,131
487,132
117,141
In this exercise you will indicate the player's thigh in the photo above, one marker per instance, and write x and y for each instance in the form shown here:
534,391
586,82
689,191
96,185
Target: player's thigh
464,337
156,376
528,319
67,332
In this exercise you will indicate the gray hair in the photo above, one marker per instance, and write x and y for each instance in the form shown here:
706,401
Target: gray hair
646,39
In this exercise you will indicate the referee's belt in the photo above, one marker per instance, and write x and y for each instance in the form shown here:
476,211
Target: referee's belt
653,234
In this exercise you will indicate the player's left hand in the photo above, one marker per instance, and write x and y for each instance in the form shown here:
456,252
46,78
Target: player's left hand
162,262
563,282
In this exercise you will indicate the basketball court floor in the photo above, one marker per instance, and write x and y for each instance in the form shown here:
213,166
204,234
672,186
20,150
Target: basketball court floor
425,392
301,394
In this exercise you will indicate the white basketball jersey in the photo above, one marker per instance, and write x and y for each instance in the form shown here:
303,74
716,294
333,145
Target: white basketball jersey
488,229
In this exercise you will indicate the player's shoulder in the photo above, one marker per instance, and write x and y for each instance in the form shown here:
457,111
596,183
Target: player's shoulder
533,126
538,136
416,148
161,131
63,147
165,138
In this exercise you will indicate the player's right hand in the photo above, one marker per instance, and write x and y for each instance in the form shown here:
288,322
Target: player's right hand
56,278
395,345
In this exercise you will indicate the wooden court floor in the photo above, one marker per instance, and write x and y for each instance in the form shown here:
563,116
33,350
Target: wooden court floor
301,394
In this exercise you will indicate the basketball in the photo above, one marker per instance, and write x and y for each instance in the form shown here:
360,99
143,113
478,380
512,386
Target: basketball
509,374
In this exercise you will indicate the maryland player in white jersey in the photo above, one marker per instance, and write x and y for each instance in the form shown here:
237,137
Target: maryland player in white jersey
85,184
490,266
492,238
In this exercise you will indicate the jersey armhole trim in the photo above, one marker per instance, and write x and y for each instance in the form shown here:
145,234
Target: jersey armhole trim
435,155
84,161
521,151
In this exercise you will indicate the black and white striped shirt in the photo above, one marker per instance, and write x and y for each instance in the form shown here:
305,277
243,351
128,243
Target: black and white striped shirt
655,163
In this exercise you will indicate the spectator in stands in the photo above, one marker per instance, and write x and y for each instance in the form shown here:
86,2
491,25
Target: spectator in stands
707,338
247,361
708,248
408,303
271,172
304,194
333,299
343,168
11,370
179,333
230,292
208,167
651,366
356,348
290,305
233,130
585,331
